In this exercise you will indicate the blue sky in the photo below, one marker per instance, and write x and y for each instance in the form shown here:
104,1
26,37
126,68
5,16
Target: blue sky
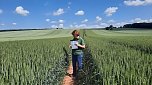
18,14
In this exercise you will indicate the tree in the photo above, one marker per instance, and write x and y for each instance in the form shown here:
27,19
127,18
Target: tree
110,27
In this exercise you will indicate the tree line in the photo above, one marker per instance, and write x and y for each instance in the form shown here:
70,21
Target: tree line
132,26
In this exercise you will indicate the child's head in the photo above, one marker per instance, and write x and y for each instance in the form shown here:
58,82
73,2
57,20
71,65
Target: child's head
75,33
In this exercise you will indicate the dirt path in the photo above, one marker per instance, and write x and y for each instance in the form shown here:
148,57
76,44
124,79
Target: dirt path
68,80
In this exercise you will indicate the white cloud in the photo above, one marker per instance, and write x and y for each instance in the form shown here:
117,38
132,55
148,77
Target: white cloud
150,20
58,12
109,11
84,21
81,26
48,20
20,10
79,13
94,26
14,23
1,11
137,2
53,22
61,21
54,26
61,25
119,24
139,20
71,26
111,21
98,18
103,25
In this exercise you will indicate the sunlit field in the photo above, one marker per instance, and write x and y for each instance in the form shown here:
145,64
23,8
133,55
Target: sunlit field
110,57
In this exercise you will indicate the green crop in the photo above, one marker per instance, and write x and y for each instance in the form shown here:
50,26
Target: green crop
32,62
110,57
117,60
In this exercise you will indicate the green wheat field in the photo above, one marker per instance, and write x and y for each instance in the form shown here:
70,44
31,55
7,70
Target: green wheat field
37,57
